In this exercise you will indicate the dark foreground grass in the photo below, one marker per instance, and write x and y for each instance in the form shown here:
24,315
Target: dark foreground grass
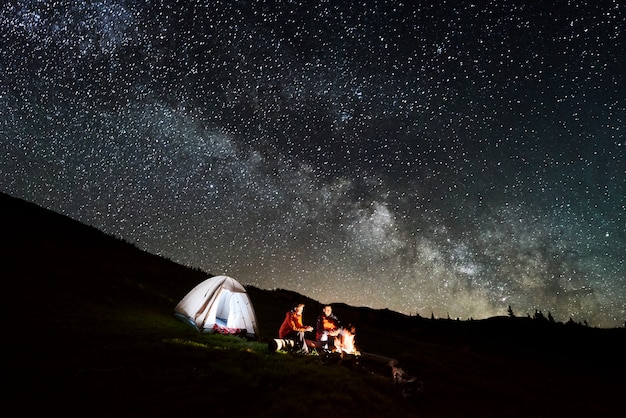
140,361
148,364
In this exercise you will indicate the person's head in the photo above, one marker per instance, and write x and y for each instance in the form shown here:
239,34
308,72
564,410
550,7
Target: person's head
299,308
327,310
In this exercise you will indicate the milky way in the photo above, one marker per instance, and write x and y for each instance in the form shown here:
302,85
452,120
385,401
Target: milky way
434,158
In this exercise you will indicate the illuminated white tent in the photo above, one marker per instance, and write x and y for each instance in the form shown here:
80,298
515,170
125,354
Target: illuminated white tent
219,304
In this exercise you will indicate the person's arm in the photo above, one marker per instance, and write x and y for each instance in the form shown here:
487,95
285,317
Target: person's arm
296,324
337,322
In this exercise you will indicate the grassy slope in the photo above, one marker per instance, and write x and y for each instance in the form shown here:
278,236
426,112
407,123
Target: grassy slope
91,333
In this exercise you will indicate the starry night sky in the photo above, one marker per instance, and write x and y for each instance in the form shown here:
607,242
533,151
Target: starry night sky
431,157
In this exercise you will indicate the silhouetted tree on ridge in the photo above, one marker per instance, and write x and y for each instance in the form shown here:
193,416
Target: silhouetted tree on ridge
539,316
510,312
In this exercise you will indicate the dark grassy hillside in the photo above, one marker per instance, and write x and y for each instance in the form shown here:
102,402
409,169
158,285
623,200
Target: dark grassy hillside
90,333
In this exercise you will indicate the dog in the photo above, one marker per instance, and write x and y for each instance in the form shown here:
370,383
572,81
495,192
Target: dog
409,385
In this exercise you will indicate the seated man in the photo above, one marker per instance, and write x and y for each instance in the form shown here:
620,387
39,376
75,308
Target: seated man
293,329
326,329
